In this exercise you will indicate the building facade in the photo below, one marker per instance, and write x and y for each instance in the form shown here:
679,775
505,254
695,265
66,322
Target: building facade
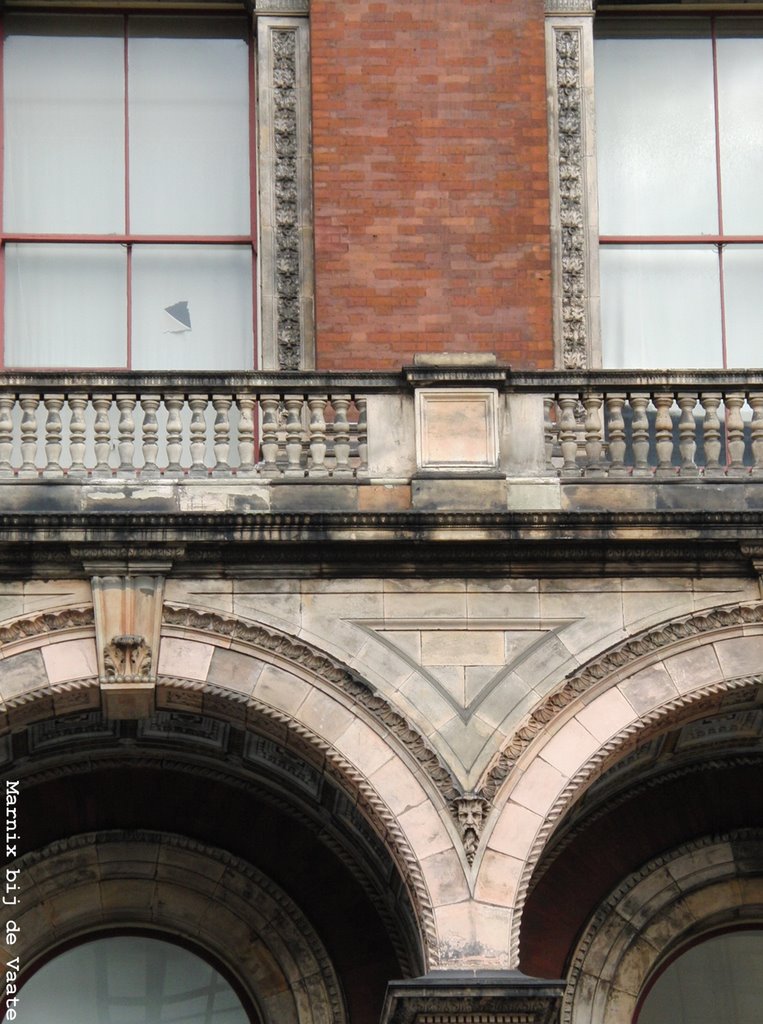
380,613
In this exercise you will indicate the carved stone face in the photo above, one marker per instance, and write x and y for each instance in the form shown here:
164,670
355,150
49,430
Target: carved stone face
470,814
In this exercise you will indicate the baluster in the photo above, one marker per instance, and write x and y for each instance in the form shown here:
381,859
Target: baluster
616,434
342,465
7,403
640,435
293,404
29,404
317,465
53,433
362,406
568,435
102,435
222,404
735,433
269,445
711,434
246,434
77,407
150,405
687,432
126,445
198,433
549,431
663,433
593,435
174,405
756,433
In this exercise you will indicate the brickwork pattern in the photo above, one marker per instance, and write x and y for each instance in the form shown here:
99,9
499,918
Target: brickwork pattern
431,181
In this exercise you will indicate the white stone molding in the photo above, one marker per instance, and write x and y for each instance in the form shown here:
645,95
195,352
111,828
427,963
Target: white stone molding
284,161
98,880
673,899
573,189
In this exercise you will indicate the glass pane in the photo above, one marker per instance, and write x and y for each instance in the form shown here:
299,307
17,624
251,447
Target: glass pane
189,128
660,306
743,283
64,125
720,979
740,102
66,305
655,130
192,307
129,980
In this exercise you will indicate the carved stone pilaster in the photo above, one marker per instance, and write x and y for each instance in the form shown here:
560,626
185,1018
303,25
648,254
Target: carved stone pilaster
285,182
574,217
128,615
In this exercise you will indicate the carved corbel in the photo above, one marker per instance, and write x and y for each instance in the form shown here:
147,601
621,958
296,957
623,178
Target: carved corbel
128,613
471,813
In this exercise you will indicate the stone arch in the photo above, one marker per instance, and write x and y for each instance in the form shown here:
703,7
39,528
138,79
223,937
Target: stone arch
168,883
675,898
680,670
243,672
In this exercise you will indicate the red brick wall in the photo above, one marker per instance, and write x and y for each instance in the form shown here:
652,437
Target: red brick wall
431,181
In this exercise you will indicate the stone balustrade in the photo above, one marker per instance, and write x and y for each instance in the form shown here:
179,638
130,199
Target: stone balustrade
458,437
149,427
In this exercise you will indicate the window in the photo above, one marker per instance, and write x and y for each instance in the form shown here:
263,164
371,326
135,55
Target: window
719,979
125,979
679,110
128,211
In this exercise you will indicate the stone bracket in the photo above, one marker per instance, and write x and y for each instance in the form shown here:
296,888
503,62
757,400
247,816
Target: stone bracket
128,614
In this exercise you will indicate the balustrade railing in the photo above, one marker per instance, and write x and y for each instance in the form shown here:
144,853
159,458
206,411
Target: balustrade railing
98,431
660,432
605,425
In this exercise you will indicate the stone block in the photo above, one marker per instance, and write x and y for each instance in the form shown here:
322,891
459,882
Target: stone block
481,494
570,747
70,659
125,700
515,831
538,787
457,429
498,878
694,668
606,715
234,670
445,877
21,673
363,748
306,496
397,786
280,689
648,689
187,659
425,831
462,647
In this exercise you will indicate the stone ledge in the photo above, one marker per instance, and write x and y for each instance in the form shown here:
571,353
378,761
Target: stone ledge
469,997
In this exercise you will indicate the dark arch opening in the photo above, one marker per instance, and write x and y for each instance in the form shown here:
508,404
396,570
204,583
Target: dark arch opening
286,815
697,778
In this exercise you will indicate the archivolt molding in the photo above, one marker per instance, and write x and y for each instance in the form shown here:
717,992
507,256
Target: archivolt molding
607,973
330,670
646,724
374,807
269,916
37,705
621,656
27,626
